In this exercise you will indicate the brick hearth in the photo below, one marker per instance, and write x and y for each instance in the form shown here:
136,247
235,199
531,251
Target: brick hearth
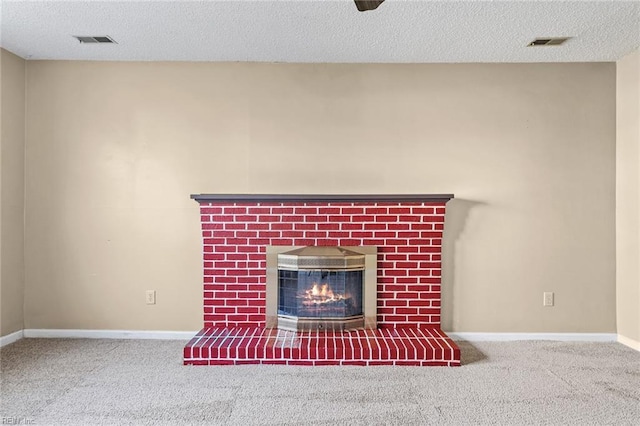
407,230
385,346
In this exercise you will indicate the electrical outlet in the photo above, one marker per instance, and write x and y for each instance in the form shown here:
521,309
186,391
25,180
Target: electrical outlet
547,298
151,297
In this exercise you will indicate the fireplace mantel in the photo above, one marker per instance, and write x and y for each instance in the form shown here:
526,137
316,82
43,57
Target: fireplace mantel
319,198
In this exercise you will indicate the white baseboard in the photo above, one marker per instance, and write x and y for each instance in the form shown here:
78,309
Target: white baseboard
108,334
633,344
507,337
186,335
10,338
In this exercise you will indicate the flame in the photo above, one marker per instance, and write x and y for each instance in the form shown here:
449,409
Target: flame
321,293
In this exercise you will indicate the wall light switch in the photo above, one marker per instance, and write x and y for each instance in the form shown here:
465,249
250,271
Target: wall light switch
547,298
151,297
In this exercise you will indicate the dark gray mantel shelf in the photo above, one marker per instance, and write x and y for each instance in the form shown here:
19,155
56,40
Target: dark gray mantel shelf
315,198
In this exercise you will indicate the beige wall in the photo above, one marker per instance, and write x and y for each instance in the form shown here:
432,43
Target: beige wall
628,198
12,139
115,149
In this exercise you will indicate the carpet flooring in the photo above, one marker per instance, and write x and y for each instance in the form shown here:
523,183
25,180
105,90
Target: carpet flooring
118,382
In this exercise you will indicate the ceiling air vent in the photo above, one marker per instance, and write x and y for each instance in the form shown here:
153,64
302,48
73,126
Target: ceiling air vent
94,39
549,41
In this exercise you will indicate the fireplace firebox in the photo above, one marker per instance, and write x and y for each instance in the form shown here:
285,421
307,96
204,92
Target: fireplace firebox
322,288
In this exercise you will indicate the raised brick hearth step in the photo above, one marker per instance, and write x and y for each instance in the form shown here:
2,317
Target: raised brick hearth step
385,346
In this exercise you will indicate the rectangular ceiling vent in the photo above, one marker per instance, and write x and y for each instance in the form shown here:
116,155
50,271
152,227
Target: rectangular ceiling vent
549,41
95,39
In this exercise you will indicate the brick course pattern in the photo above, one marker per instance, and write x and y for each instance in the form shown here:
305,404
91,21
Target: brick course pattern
408,237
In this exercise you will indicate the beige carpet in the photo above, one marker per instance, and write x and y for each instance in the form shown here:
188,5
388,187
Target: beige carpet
84,382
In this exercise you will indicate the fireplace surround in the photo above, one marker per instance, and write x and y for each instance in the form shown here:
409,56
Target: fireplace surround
237,233
321,287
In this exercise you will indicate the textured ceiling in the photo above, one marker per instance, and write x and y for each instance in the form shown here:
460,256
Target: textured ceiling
321,30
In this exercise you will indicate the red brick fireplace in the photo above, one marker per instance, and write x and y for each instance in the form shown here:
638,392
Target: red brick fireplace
407,232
